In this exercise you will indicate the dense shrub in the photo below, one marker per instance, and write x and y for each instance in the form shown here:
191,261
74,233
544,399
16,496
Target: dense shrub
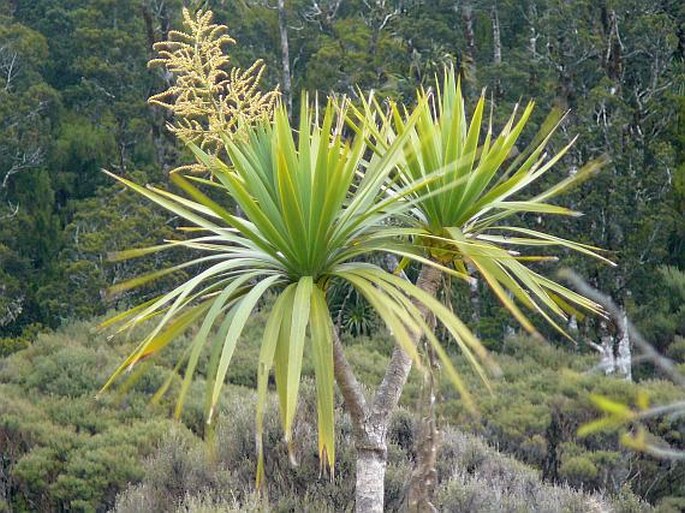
61,448
9,345
187,475
541,401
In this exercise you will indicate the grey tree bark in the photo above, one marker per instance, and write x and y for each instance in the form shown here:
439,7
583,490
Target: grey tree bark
496,38
615,348
424,477
469,35
624,357
285,56
370,420
497,48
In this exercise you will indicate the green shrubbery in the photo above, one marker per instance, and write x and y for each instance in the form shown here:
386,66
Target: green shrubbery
9,345
541,401
189,476
64,449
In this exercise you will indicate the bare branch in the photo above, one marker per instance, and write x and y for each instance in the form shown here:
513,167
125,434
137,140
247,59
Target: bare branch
8,65
663,363
390,389
24,160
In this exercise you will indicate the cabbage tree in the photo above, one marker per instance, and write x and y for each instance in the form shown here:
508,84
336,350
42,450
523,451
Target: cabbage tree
464,223
311,209
314,205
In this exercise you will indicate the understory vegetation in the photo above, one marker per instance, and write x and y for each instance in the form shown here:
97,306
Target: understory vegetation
64,449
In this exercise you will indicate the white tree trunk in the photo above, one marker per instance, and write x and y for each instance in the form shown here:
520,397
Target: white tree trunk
372,456
497,49
469,35
615,351
607,361
623,352
370,422
285,56
496,38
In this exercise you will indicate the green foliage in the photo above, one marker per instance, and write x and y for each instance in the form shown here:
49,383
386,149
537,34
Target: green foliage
68,108
671,505
81,149
313,208
472,477
664,314
578,470
87,89
464,220
12,345
63,449
76,103
102,225
541,402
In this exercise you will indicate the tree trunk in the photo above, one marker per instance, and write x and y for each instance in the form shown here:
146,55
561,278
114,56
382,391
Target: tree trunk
425,475
285,56
370,422
474,297
469,35
496,38
497,49
615,351
623,352
606,351
533,45
372,457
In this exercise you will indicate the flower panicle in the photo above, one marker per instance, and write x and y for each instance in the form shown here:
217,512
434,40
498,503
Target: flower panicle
209,97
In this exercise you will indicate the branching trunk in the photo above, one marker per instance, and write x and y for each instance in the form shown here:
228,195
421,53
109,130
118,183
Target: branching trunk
614,350
372,459
370,421
665,365
424,477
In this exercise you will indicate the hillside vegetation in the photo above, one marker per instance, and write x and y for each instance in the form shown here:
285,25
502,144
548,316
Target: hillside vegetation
63,449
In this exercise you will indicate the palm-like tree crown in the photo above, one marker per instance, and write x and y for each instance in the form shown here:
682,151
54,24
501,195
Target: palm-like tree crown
461,215
314,206
311,208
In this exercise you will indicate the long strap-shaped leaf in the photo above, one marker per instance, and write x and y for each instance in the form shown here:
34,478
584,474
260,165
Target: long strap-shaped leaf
241,313
289,365
198,343
180,324
321,326
270,339
469,344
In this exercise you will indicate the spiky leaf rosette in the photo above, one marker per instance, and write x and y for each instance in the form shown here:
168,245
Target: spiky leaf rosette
462,221
311,208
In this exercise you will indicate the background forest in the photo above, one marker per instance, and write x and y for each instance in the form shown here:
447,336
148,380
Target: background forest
73,100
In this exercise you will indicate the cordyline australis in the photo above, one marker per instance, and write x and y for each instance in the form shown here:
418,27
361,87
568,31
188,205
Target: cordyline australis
314,206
